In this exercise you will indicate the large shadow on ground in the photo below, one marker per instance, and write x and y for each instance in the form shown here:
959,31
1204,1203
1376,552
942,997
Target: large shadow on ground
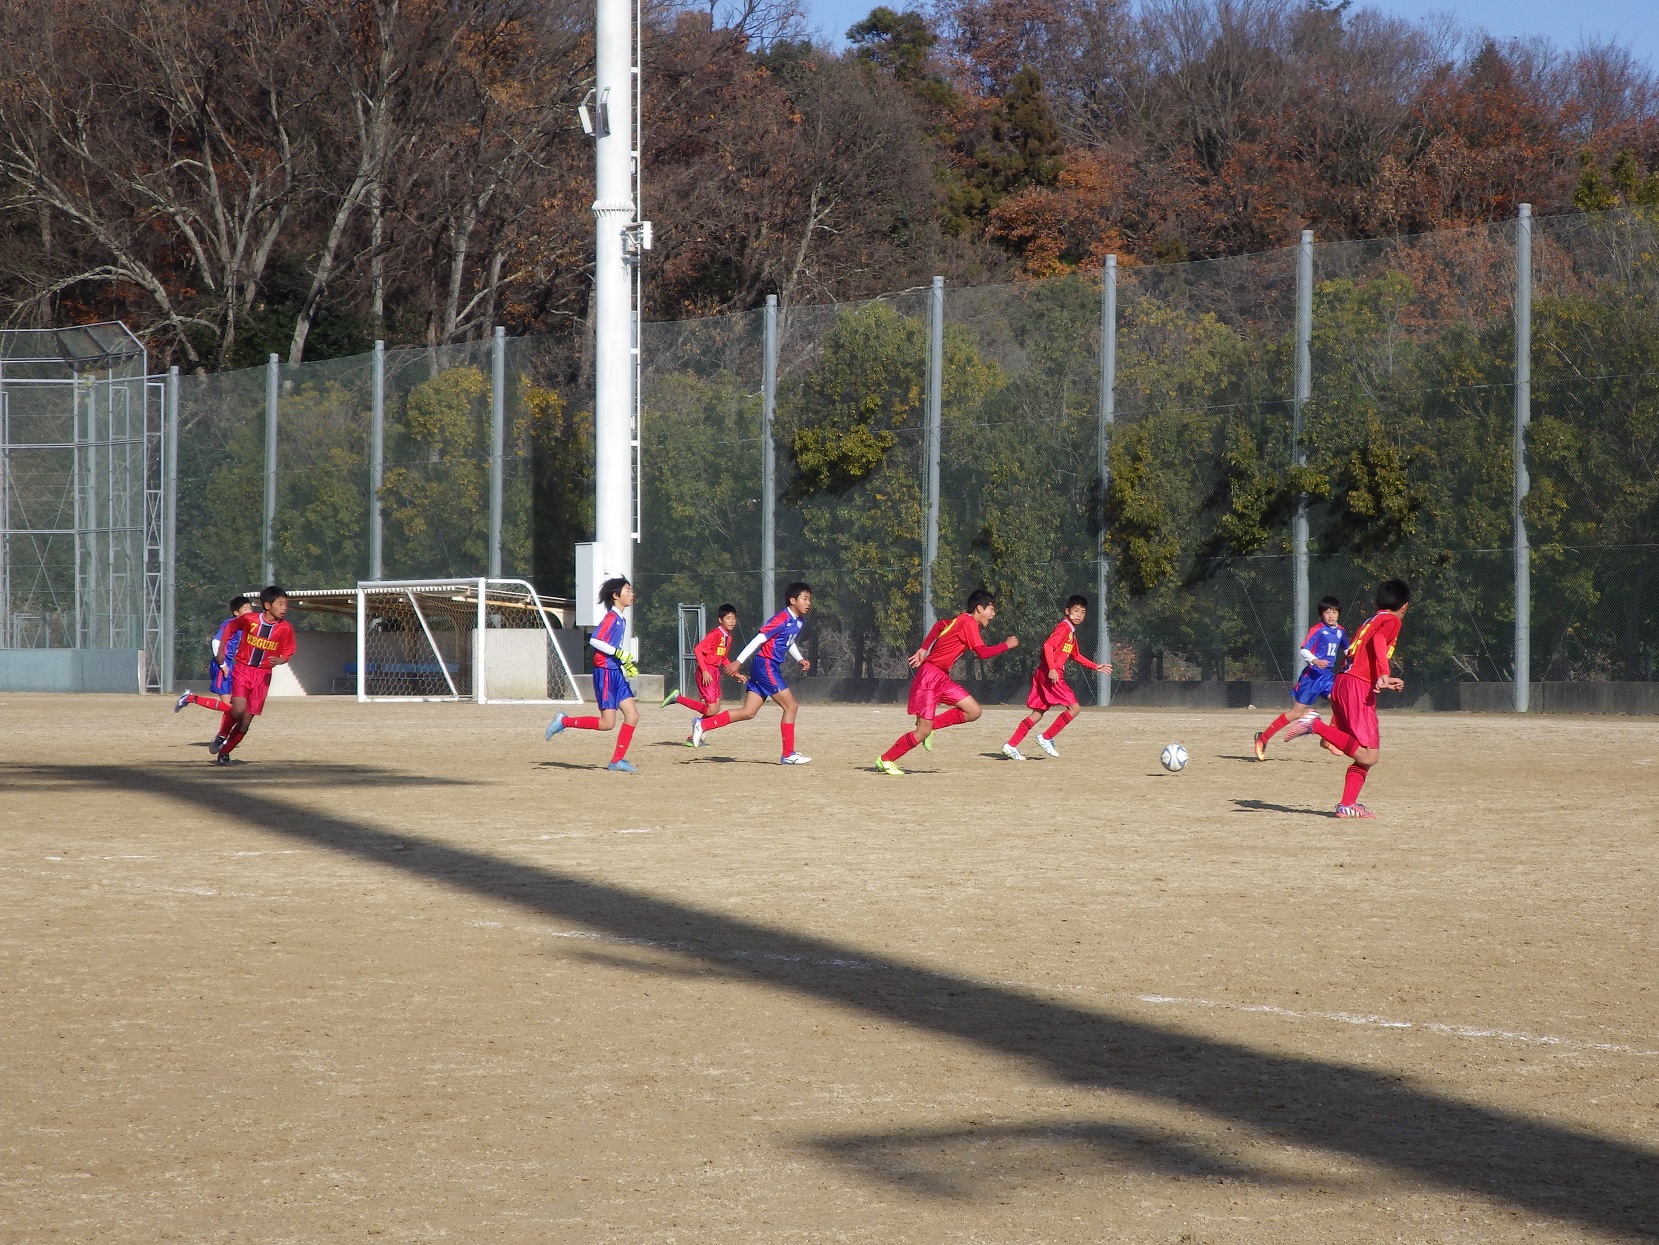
1598,1182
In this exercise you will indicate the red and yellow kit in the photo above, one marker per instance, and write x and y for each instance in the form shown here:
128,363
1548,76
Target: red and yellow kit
711,653
950,638
1372,646
264,642
1058,649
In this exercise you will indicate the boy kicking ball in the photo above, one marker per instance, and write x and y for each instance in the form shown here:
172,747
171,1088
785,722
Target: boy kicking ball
1353,729
1322,650
1049,689
612,668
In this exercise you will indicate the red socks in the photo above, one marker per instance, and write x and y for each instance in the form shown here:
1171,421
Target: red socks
950,717
1020,732
1278,724
624,737
903,744
581,724
788,738
717,721
699,707
210,702
236,737
1063,722
1341,739
226,721
1354,780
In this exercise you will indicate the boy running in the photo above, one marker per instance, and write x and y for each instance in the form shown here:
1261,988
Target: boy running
932,685
1321,650
711,653
1049,689
1353,729
771,644
263,641
612,668
223,646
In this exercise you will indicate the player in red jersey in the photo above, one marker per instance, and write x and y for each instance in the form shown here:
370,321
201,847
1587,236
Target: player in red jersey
266,641
1353,729
932,685
1049,689
712,658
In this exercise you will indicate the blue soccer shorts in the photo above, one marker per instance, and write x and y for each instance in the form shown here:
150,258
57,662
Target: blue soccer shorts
766,679
610,687
1313,684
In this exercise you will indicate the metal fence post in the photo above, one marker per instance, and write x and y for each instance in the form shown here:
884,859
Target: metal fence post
377,462
1523,417
1108,415
498,436
1298,455
170,531
273,378
769,462
935,408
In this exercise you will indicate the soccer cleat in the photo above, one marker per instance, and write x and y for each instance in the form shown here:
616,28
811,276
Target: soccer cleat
218,742
184,700
1047,745
1355,810
1261,747
928,742
222,759
889,767
623,766
556,725
697,733
690,742
795,758
670,698
1012,753
1302,726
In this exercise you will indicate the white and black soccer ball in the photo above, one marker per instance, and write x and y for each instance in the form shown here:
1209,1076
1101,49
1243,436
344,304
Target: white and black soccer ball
1174,758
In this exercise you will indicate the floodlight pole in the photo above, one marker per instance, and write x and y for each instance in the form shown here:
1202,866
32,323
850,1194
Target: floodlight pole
1523,482
769,463
1298,454
273,378
170,529
377,463
1108,416
498,425
935,410
615,228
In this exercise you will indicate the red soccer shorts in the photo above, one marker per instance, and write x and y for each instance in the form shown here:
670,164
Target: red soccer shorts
1354,710
1048,693
708,686
931,688
252,684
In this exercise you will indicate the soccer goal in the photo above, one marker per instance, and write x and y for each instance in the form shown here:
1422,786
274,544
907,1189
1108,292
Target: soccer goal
492,641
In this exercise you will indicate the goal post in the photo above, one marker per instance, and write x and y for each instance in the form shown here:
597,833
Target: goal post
490,641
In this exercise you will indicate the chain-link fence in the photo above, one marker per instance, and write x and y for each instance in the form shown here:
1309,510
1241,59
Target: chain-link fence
1404,462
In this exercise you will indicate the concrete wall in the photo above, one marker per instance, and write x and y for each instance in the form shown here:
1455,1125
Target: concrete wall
71,670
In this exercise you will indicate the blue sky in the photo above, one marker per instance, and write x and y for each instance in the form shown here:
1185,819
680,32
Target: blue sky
1633,23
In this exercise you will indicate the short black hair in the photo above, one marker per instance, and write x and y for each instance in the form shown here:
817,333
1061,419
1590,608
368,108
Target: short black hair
1077,598
1392,594
237,603
611,588
271,593
1329,603
978,597
724,610
795,589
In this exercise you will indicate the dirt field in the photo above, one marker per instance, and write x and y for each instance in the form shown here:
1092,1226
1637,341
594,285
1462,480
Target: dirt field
409,973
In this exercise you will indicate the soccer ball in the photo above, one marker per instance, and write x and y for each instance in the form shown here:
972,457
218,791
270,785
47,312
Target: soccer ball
1174,758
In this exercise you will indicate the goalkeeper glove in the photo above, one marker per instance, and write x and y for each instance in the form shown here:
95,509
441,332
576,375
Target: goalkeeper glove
629,666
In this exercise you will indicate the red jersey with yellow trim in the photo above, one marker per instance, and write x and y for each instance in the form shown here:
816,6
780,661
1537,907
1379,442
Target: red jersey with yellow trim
263,642
950,638
1061,647
1372,646
711,650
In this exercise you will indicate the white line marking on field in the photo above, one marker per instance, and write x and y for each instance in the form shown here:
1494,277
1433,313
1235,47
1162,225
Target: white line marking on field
1383,1022
639,830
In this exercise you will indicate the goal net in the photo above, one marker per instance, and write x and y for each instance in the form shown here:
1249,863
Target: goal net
492,641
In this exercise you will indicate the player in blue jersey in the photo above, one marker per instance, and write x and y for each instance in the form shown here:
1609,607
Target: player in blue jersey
223,647
612,668
772,643
1321,651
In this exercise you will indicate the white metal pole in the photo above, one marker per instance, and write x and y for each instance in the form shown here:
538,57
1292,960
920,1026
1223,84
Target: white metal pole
1108,416
481,643
273,378
1523,483
613,289
362,646
935,410
498,433
1304,391
377,463
170,532
769,464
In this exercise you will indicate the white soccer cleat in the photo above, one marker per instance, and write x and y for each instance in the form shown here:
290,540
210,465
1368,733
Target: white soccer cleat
795,758
697,733
1047,745
1012,753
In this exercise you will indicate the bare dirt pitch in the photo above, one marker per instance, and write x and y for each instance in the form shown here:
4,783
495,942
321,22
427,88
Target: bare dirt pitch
409,973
